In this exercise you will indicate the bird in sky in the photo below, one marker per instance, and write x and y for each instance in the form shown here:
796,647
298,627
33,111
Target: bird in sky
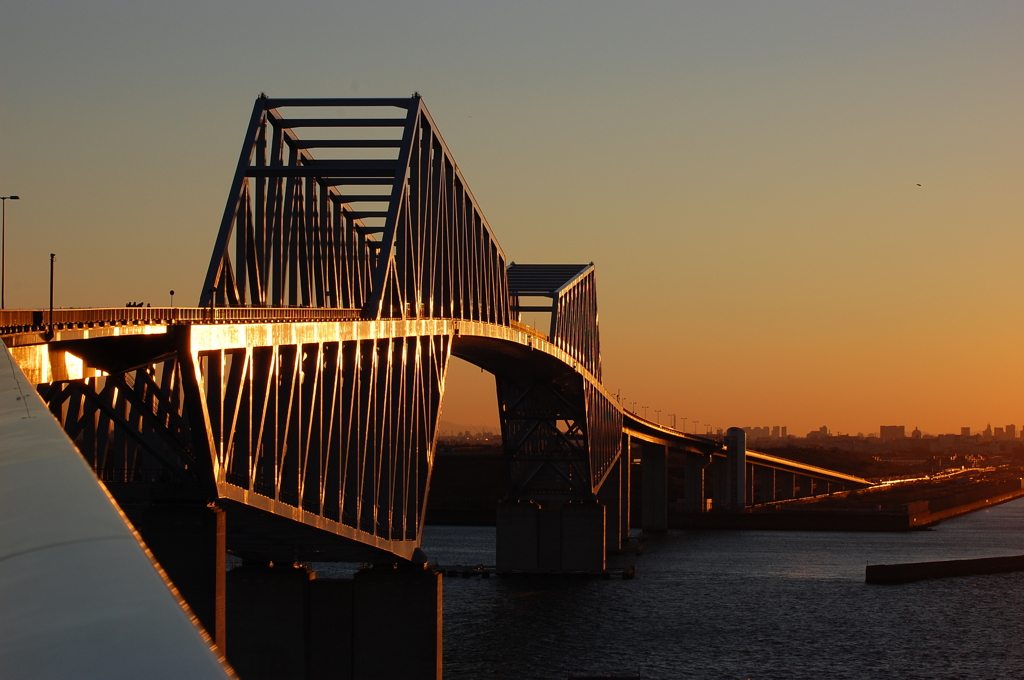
918,185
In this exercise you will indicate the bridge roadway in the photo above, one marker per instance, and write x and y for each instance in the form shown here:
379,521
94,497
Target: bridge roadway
89,344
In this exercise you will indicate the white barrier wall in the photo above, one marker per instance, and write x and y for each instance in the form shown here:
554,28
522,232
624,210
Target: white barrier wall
80,596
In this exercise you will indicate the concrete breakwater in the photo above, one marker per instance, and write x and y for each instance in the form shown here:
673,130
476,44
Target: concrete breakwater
833,516
920,571
925,513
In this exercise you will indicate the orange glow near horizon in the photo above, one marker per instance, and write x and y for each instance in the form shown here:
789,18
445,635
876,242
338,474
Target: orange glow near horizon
800,214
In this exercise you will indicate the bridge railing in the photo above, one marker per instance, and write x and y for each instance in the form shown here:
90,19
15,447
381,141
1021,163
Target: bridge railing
37,321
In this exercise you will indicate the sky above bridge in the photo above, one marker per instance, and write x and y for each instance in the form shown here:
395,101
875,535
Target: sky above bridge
802,213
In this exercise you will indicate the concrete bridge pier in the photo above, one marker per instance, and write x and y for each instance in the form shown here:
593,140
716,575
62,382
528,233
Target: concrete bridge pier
616,504
803,486
720,496
188,540
785,485
765,477
551,536
693,481
654,471
285,624
397,624
736,445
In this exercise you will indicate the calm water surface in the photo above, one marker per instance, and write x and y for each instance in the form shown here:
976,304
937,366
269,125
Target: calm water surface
745,604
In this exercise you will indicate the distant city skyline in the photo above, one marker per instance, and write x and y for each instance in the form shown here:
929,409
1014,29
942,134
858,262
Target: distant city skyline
470,399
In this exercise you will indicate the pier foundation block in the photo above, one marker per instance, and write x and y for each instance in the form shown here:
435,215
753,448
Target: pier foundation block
285,624
397,623
565,537
693,483
654,515
188,540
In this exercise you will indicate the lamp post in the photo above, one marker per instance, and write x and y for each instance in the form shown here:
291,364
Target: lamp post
3,247
658,416
49,333
673,417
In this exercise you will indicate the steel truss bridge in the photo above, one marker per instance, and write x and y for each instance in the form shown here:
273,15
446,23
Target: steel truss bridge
302,394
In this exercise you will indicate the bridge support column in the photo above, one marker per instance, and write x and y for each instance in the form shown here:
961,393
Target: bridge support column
720,497
765,483
694,483
625,484
655,488
288,625
397,624
610,496
802,485
518,540
583,537
784,485
736,443
567,536
188,540
269,628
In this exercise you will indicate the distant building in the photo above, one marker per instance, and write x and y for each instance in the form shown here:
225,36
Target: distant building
1011,431
998,434
756,432
986,434
916,434
785,433
820,433
891,432
775,432
965,432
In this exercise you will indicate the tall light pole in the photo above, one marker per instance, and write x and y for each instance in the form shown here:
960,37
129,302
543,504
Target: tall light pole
49,333
3,247
658,417
673,415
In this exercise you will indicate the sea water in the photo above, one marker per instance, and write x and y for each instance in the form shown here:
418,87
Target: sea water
745,604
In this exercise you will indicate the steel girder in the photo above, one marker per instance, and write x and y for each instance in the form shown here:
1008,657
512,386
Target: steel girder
134,426
386,223
572,289
335,432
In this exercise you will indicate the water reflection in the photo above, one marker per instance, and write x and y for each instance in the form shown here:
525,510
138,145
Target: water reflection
745,604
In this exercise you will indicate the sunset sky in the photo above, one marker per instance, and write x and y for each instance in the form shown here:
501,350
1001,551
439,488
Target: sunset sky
743,174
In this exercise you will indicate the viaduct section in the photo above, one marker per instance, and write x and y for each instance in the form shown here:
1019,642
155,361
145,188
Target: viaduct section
292,416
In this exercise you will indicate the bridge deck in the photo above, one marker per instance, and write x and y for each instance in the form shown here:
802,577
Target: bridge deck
26,327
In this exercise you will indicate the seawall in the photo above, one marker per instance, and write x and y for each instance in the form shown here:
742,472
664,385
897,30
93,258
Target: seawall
920,571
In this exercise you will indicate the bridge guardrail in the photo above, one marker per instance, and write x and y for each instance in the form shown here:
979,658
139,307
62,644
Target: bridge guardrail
37,321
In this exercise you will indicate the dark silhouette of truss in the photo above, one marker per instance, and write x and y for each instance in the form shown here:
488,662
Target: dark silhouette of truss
382,221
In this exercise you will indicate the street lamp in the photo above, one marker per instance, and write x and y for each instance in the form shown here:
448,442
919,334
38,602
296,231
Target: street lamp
673,416
3,247
658,417
645,412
